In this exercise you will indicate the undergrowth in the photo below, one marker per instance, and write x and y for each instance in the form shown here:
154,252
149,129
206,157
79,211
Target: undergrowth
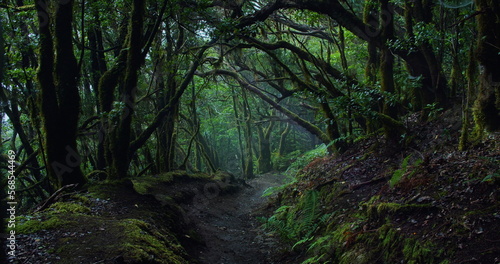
296,224
300,161
361,234
406,170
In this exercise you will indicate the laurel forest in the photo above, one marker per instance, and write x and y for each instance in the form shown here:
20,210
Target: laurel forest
140,99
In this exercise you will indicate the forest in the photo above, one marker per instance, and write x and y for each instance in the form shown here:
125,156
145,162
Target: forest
250,131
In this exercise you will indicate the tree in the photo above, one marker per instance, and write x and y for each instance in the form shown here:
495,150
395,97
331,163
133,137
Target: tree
60,100
264,163
487,105
266,78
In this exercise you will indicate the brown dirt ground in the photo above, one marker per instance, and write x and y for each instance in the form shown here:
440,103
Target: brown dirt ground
229,228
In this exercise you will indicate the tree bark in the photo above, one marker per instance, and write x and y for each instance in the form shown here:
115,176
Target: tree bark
247,132
121,135
387,73
264,163
98,68
282,142
487,105
60,101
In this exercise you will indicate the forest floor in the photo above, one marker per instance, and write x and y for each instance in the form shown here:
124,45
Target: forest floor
217,224
228,225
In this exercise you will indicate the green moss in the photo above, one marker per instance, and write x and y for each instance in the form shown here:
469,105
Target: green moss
491,210
222,176
415,252
405,171
376,210
104,190
65,207
330,193
135,240
145,184
358,255
28,225
82,199
390,241
142,244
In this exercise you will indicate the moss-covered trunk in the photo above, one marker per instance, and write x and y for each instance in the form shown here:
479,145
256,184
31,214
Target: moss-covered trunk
121,135
332,129
3,206
60,101
264,163
168,86
166,131
370,17
98,68
247,132
282,143
469,99
389,109
487,105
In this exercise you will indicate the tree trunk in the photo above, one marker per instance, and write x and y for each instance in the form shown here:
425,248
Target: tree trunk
282,142
121,135
387,75
469,98
238,126
332,128
247,132
264,163
435,86
370,17
98,68
60,101
166,131
487,105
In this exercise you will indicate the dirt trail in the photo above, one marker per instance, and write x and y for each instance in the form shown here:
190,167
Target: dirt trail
229,228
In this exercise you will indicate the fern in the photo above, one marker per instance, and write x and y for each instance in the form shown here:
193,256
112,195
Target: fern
398,174
306,158
277,223
310,211
324,218
302,241
282,208
298,224
320,243
271,190
313,260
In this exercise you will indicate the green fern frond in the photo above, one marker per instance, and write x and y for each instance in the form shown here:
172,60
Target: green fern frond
311,212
